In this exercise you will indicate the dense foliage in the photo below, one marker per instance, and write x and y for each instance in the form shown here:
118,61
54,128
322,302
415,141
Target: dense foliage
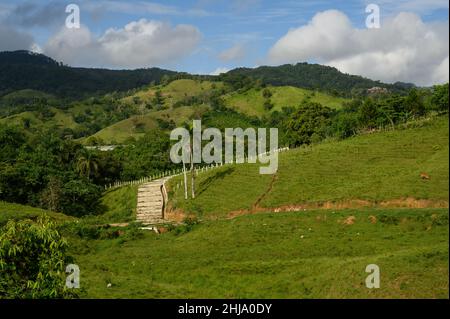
33,260
310,76
26,70
46,171
312,122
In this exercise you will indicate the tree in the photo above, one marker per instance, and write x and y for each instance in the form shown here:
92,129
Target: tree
32,260
87,164
51,196
80,198
368,113
308,123
266,93
158,100
414,103
439,99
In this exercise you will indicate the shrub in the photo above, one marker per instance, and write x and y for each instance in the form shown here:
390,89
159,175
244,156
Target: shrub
32,260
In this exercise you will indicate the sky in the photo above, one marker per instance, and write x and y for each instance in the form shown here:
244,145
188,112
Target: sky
213,36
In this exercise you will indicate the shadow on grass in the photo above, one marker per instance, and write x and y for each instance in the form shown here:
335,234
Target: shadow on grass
213,178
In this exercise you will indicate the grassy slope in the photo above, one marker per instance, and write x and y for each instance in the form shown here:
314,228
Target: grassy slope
251,102
376,167
265,255
175,91
10,211
122,130
60,119
120,204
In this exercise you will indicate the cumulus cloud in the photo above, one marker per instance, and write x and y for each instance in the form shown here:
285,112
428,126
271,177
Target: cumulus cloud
403,49
236,52
139,44
11,39
219,71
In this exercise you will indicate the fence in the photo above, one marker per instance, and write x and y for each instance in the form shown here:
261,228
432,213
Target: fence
178,171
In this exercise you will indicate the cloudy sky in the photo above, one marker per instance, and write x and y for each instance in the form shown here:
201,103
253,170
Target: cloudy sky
213,36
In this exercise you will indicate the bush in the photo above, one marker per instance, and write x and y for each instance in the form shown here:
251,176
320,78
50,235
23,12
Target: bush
308,120
32,260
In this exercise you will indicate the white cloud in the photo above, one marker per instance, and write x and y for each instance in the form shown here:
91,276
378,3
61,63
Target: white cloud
403,49
236,52
219,71
139,44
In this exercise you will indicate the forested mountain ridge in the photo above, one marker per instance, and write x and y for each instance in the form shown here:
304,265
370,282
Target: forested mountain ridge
314,76
27,70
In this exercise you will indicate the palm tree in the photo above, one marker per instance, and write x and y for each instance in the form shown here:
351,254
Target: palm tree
87,164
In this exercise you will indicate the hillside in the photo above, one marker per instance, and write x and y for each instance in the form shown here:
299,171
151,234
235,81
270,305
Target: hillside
251,102
367,170
185,98
11,211
313,76
26,70
282,255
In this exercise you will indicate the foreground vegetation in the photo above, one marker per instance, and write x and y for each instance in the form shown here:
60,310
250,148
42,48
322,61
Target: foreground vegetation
313,254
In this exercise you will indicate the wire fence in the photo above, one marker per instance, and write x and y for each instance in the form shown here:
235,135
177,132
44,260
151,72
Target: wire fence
179,171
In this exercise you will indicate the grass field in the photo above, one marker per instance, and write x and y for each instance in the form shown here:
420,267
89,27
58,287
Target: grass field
251,102
10,211
136,126
369,168
240,247
174,91
286,255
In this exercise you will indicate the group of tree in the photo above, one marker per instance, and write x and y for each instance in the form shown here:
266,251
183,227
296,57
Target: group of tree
312,122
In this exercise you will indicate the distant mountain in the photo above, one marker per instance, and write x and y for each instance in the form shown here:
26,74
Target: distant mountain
314,76
27,70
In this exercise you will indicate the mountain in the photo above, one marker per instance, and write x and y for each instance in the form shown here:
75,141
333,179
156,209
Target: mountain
27,70
314,76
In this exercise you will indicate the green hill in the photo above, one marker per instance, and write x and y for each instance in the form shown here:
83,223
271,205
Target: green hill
251,102
9,211
27,70
313,76
381,168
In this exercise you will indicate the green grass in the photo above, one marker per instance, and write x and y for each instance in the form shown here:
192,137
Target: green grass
251,102
175,91
121,131
11,211
376,167
286,255
120,204
61,119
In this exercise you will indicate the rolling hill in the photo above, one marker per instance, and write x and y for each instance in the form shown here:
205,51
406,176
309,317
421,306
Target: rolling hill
367,170
313,76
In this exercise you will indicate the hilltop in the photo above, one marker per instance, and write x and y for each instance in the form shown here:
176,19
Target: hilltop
27,70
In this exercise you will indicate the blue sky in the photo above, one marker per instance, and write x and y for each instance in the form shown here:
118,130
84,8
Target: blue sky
220,34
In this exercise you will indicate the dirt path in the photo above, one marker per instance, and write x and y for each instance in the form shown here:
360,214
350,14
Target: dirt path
347,204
